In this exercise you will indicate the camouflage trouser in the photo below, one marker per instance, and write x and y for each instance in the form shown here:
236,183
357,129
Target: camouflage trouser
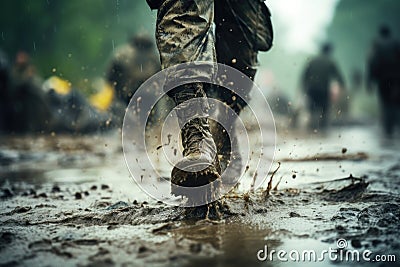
185,33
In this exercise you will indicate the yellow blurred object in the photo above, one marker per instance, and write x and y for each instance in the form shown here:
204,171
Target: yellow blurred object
59,85
103,98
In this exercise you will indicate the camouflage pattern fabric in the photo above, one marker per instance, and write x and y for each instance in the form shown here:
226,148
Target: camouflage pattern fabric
185,32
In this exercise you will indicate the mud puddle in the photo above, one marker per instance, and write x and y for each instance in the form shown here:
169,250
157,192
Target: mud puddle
88,212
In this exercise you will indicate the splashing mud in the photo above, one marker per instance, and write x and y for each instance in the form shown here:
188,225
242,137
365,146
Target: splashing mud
67,202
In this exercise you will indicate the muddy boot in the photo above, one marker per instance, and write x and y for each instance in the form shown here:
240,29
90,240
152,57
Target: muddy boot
228,153
199,165
222,142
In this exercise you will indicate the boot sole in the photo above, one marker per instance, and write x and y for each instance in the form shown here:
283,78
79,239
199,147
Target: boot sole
182,176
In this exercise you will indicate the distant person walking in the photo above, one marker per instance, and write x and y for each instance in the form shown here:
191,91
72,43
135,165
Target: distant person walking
317,77
30,111
384,71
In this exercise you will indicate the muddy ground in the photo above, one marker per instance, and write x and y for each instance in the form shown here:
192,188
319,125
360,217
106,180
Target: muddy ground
70,201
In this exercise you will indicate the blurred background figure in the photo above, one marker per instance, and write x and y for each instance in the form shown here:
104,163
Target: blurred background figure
131,65
72,112
384,71
317,77
29,105
30,111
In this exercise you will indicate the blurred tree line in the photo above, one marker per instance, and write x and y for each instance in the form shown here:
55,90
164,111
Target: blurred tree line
71,38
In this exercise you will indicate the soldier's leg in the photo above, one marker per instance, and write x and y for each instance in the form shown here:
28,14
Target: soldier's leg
236,49
386,110
184,33
318,105
325,112
388,113
234,46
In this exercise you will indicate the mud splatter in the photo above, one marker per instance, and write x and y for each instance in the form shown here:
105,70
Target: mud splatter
43,222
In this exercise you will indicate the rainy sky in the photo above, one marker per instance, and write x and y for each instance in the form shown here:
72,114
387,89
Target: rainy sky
302,24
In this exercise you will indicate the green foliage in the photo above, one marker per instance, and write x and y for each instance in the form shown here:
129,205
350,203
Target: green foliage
72,38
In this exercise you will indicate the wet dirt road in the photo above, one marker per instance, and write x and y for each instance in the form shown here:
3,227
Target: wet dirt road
70,201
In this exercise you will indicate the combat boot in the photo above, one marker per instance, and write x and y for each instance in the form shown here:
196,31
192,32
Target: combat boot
199,165
228,153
